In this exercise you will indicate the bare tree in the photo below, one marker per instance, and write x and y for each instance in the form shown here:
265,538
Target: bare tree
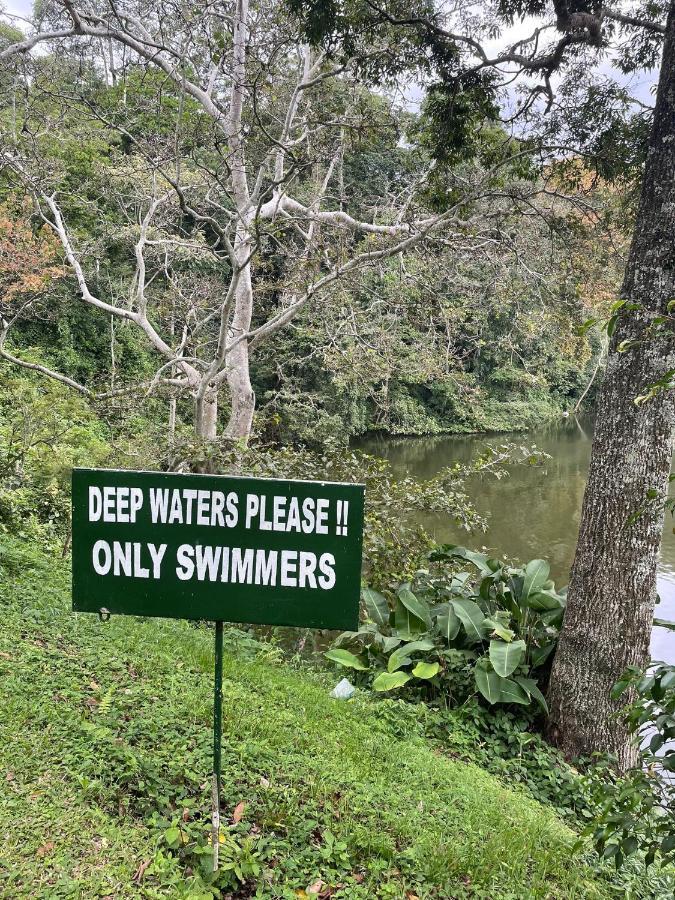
275,119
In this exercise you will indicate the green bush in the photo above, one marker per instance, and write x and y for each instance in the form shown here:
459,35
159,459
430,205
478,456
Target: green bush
635,814
447,635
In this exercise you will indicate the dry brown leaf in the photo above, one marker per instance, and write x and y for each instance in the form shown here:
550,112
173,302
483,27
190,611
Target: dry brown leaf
45,848
238,812
140,871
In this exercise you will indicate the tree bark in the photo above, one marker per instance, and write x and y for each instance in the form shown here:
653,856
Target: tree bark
242,398
612,589
206,416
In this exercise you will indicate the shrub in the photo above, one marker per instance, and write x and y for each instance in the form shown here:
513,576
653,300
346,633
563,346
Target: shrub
447,635
636,813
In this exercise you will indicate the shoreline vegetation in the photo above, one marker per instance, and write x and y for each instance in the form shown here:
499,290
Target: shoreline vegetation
106,753
231,243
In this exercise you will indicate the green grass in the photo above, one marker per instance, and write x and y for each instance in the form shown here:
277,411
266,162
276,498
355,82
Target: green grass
105,746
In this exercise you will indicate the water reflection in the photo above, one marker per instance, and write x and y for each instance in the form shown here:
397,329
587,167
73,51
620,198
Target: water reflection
533,511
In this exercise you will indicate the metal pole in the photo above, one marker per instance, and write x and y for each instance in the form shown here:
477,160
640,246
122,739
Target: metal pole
217,734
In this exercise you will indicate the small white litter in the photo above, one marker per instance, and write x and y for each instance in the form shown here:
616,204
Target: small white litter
343,690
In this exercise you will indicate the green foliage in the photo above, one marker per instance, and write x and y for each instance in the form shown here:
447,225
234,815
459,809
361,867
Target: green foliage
493,633
106,756
435,343
636,813
393,543
45,430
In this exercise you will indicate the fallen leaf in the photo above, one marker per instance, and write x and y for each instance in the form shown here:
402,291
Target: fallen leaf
316,888
94,686
238,812
140,871
46,848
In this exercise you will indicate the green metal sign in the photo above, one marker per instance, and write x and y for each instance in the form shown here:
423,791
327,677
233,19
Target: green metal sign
226,549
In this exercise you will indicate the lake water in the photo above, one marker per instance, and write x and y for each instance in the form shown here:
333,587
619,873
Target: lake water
534,512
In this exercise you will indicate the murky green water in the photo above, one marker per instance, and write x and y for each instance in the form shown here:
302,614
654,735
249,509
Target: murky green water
534,512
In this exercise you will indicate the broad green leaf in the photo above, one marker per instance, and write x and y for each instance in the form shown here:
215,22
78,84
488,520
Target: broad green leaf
536,575
513,693
345,658
656,743
390,643
539,655
531,688
544,601
449,625
376,605
488,683
172,836
629,845
472,617
417,606
426,670
438,609
668,843
401,657
406,622
450,551
506,658
388,681
501,630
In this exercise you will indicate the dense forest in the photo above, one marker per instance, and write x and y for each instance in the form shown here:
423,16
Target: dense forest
239,239
468,332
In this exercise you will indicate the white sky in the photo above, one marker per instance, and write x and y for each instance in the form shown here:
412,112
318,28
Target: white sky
18,7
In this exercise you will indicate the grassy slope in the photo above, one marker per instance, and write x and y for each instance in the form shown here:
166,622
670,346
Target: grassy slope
105,740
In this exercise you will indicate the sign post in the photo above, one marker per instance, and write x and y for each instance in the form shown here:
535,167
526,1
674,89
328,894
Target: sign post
217,548
217,742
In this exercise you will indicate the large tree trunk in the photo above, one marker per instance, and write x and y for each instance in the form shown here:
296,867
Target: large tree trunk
612,588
